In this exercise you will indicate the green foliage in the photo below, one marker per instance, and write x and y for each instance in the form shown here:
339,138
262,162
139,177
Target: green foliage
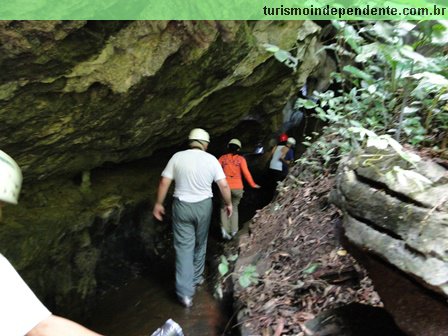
394,83
282,56
311,268
246,277
223,267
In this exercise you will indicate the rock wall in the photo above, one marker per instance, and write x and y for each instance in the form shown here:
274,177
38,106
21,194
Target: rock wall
72,240
395,207
79,100
398,209
78,94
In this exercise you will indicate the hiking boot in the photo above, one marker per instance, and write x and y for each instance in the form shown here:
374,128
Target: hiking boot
186,301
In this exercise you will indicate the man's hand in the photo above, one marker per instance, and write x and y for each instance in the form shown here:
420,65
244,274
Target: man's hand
158,211
229,210
226,195
257,186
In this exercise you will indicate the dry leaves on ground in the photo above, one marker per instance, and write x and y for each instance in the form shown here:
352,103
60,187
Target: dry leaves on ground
304,270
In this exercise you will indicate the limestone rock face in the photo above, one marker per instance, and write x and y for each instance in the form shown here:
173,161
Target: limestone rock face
397,209
75,94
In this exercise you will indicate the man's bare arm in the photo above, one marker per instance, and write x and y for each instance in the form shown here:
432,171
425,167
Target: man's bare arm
226,195
57,326
164,186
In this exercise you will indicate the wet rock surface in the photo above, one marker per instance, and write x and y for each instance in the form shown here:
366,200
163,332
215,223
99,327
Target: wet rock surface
353,320
416,310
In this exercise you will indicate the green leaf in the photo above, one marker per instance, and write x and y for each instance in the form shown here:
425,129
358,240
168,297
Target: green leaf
309,104
250,269
384,30
371,88
223,269
286,58
338,24
367,52
410,110
271,48
357,73
233,257
244,280
282,55
439,33
407,52
404,27
321,113
444,96
311,269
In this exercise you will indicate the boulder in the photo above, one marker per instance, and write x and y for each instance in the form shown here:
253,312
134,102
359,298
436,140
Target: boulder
395,214
398,210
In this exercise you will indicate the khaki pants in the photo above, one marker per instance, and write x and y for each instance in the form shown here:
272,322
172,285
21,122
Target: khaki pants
229,225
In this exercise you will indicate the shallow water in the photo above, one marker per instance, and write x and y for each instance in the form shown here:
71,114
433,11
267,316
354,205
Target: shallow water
144,304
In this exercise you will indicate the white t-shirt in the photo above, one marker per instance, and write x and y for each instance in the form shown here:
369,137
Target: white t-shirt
193,172
275,163
20,309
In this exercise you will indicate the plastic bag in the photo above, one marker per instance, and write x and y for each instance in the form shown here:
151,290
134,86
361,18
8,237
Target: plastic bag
170,328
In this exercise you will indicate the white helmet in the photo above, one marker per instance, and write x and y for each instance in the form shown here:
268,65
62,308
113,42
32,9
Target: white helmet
199,134
10,179
291,141
235,142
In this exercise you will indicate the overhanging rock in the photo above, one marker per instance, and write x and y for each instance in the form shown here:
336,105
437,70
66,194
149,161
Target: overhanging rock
75,95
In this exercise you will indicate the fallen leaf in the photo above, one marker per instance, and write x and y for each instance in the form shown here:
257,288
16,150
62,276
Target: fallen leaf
342,252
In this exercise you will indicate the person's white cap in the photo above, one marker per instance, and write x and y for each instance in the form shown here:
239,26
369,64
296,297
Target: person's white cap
10,179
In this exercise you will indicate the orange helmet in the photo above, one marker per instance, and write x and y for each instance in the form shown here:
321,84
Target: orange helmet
283,137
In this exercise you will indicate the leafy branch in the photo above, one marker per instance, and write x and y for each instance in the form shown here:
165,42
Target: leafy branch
392,82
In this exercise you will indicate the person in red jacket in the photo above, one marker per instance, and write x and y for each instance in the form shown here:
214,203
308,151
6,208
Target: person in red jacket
234,166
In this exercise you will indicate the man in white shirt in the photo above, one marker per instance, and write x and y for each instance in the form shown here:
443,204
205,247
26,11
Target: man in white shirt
194,171
21,312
